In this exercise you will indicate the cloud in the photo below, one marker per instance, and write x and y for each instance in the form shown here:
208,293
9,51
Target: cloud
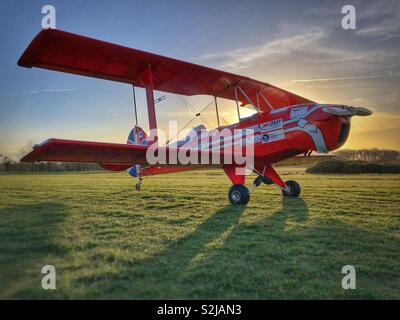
344,78
314,46
38,92
380,20
321,11
382,31
377,20
270,51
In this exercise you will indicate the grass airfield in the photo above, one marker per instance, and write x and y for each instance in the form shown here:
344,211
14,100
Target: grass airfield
178,238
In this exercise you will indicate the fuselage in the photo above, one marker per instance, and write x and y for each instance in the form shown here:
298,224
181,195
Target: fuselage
282,133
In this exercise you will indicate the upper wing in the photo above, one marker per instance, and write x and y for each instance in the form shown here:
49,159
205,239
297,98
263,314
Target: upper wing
67,52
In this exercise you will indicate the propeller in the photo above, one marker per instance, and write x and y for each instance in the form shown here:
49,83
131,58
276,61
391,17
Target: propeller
347,111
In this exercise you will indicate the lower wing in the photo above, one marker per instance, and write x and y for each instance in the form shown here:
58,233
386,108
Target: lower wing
85,151
112,156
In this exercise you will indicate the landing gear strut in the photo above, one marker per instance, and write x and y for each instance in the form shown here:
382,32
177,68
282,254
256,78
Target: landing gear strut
238,194
268,175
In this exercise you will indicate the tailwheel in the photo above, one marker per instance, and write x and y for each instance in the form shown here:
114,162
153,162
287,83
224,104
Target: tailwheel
261,179
238,194
292,189
138,185
257,181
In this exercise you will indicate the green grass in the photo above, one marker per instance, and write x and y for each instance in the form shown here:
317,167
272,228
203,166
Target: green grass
179,238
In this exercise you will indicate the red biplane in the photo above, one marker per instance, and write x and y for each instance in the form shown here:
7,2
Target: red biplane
285,124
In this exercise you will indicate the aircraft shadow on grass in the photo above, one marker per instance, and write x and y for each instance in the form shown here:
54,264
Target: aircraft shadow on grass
227,220
283,255
180,262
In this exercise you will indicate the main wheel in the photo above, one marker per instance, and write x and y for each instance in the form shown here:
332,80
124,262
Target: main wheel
238,194
293,189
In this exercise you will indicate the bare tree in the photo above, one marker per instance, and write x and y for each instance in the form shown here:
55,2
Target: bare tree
25,150
6,163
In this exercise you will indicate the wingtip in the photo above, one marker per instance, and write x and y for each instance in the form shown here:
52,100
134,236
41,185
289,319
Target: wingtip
27,158
29,55
33,155
22,63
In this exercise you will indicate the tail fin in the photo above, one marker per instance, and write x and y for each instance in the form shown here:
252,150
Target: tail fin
137,137
134,171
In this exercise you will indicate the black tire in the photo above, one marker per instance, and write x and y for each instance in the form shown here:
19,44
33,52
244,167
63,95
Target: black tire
294,189
238,194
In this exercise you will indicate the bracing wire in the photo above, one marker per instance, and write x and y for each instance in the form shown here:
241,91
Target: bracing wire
193,109
196,114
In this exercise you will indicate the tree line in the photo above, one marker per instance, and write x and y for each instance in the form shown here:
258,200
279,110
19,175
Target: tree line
369,155
7,164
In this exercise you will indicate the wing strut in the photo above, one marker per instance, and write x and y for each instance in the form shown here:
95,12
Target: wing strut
216,110
134,105
136,117
266,101
248,99
237,103
151,107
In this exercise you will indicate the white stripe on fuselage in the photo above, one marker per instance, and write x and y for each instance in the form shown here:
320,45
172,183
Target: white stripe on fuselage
249,139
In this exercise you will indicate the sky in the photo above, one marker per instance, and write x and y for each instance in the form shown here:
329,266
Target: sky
296,45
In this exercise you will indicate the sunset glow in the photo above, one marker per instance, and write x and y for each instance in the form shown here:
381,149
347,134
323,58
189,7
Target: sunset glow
299,47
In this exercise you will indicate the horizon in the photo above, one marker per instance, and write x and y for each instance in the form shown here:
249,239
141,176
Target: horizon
312,56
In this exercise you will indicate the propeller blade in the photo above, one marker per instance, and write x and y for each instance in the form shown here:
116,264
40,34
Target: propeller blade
361,111
338,111
348,111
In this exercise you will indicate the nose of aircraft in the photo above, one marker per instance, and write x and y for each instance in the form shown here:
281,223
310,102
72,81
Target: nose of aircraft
337,129
347,111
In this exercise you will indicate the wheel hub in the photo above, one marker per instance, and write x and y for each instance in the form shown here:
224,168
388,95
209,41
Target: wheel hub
236,195
288,189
